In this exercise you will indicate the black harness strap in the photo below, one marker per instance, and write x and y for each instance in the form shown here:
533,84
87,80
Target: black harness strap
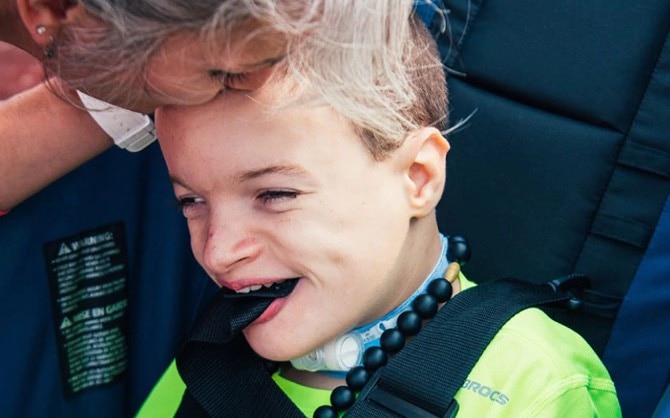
223,376
429,371
230,380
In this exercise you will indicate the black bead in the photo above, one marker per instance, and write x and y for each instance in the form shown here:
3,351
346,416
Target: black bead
392,340
458,249
425,305
357,378
325,411
374,358
441,289
342,398
409,323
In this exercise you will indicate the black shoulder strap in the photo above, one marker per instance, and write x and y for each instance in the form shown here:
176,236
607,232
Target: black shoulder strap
226,380
422,379
223,376
229,380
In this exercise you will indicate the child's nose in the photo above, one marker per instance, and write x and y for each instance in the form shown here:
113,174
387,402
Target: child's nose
229,245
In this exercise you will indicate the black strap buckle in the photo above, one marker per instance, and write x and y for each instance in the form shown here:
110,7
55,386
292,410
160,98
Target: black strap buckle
582,298
572,285
374,394
570,282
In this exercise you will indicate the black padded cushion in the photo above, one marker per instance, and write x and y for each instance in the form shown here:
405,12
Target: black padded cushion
565,165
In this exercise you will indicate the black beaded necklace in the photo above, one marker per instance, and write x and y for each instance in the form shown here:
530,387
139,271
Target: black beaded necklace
409,323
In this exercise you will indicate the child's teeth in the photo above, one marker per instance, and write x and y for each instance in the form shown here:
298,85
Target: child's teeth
256,287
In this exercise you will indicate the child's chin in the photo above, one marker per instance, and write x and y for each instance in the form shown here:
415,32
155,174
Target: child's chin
267,348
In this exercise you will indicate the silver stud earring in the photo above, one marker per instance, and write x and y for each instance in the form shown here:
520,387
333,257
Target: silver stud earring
41,30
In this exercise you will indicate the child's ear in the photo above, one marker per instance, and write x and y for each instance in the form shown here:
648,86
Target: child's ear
425,166
45,18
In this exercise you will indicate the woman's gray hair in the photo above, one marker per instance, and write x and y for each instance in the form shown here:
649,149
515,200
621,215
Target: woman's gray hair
333,47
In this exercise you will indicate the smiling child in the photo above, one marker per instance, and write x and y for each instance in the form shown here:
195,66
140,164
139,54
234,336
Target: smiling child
343,209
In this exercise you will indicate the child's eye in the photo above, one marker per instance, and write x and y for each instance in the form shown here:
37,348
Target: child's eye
189,201
269,196
189,204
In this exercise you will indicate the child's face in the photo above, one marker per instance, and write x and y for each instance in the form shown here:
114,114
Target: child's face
295,196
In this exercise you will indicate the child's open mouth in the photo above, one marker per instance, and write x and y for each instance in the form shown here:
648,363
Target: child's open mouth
276,290
229,312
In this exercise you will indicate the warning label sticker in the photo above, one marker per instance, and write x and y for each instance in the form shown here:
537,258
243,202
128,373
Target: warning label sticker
87,274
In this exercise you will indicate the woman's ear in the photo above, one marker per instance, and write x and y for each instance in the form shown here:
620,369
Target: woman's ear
45,18
425,170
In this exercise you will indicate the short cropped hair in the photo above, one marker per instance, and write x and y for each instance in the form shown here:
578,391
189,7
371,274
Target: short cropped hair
427,101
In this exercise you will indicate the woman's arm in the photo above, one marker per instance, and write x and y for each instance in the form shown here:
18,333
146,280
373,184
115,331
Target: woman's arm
41,139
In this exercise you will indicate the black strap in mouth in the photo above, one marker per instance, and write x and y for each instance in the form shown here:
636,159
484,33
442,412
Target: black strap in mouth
229,312
217,350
